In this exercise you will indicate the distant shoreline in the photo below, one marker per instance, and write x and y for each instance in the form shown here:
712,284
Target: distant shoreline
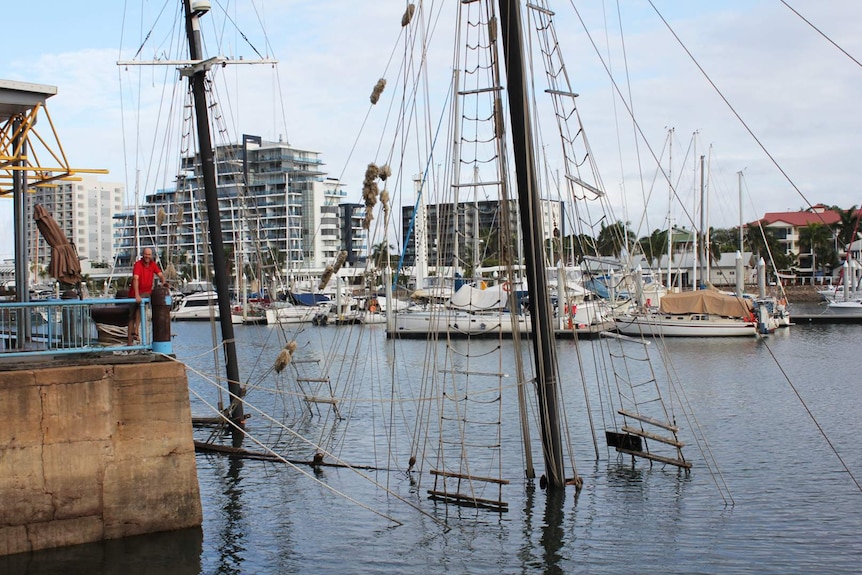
806,293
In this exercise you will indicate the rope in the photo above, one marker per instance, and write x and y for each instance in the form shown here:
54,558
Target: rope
310,443
813,419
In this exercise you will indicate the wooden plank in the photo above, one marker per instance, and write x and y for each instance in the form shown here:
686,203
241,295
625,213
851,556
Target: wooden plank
463,372
654,457
657,437
461,499
470,477
649,420
313,399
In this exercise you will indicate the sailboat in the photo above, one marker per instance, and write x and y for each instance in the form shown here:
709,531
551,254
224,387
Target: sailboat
700,313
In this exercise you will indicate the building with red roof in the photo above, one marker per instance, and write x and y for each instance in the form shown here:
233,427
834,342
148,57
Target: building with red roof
786,227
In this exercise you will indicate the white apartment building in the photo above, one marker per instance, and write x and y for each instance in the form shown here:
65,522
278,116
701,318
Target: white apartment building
289,216
84,209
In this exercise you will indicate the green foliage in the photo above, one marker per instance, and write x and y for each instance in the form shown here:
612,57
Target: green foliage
654,246
613,238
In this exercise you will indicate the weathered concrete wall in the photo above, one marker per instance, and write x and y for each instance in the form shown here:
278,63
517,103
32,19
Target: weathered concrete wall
95,452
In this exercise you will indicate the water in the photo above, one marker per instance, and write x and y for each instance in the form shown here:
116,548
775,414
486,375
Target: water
795,509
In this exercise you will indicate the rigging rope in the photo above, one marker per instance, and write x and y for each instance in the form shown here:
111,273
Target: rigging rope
315,446
816,29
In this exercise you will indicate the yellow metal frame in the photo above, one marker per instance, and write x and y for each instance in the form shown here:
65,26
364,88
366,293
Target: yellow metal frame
13,160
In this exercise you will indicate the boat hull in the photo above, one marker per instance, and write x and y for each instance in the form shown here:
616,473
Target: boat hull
693,325
848,308
456,323
201,306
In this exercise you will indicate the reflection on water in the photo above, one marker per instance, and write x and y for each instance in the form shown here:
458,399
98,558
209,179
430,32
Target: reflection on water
170,553
551,540
231,533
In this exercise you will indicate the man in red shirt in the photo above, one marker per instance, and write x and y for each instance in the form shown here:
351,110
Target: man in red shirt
143,273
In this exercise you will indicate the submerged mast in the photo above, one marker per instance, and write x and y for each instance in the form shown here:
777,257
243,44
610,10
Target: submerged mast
197,79
530,214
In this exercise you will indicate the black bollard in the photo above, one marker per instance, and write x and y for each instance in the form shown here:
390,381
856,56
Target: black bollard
161,302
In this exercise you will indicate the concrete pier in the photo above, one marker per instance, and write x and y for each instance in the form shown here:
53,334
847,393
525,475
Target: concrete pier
95,451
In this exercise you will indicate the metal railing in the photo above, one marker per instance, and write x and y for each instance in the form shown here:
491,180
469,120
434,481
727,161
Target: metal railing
66,326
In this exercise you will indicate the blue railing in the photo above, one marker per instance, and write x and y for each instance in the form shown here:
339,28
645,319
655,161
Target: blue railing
66,326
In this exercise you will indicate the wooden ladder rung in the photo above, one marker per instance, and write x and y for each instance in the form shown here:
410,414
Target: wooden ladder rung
315,399
654,457
443,473
473,373
649,420
669,440
461,499
313,379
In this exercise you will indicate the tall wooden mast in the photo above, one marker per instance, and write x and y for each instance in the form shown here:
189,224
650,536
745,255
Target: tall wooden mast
531,224
197,78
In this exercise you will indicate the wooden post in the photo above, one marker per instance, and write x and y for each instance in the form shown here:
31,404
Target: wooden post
161,302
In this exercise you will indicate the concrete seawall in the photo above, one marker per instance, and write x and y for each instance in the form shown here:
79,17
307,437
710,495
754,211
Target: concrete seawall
95,451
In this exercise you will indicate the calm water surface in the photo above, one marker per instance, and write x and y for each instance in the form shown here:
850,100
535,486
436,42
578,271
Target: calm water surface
794,507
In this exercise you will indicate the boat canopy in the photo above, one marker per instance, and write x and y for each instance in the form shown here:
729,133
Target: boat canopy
706,301
482,298
308,299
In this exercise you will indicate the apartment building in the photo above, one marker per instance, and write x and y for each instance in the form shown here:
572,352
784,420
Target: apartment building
289,216
84,209
479,232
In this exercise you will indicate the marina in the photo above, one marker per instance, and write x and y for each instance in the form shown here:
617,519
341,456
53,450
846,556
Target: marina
690,421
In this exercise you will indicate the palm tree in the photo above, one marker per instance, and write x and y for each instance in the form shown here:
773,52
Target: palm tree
763,244
723,240
847,228
580,245
613,238
819,238
654,246
380,254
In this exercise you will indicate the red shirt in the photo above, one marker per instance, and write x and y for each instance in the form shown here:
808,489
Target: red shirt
145,277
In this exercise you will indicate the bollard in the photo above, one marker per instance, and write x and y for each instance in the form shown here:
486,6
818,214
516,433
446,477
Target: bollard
161,302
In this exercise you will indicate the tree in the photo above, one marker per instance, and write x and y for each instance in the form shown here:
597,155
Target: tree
763,244
380,254
847,228
580,245
819,239
613,238
654,246
723,240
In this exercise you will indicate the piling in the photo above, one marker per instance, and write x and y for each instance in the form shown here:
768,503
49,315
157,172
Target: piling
160,299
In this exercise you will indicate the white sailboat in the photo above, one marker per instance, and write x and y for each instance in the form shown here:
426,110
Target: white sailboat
701,313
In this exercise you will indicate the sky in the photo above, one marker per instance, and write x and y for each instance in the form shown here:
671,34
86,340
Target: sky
755,88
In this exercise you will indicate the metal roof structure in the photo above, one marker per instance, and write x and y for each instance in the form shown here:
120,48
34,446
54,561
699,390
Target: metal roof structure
19,97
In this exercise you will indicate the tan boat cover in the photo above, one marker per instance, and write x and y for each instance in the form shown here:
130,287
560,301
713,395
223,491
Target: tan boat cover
705,301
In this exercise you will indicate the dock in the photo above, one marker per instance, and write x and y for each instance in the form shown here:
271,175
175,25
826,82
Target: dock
824,317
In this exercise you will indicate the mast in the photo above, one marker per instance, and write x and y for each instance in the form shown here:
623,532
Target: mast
702,248
530,214
740,278
669,204
197,79
456,173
